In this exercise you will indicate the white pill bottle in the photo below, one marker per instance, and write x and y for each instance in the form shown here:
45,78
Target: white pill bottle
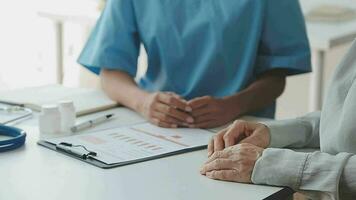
50,120
68,115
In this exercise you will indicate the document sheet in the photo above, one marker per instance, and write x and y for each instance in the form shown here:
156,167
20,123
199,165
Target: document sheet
138,142
5,117
86,100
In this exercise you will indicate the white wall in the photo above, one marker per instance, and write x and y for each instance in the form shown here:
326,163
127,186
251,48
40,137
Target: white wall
294,101
24,43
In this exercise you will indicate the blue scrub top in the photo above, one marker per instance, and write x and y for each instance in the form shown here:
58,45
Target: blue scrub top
200,47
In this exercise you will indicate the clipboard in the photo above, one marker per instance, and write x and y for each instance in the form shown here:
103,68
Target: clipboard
95,162
127,145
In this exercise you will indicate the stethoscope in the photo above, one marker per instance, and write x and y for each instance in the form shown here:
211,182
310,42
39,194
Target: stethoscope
17,136
17,139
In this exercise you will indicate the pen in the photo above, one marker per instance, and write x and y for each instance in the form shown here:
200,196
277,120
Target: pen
91,123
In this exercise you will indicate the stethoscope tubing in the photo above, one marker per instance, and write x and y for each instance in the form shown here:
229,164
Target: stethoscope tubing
18,138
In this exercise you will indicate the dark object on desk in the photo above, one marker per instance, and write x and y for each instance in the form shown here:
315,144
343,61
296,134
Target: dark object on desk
70,149
284,194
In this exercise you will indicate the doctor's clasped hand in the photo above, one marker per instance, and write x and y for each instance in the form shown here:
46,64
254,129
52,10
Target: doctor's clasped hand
169,110
166,109
209,112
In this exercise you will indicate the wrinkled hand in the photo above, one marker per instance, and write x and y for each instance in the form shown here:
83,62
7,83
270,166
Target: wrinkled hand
209,112
166,109
234,163
240,132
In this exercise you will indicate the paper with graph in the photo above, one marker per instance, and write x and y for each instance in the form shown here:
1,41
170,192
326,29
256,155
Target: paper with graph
139,142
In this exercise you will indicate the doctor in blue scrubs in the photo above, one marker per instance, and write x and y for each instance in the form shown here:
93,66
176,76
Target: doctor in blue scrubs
209,61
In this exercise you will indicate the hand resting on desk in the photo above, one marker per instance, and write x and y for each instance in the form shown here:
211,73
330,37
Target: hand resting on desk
166,109
233,151
169,110
234,163
240,132
210,112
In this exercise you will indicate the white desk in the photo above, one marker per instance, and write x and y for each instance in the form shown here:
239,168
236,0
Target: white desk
34,172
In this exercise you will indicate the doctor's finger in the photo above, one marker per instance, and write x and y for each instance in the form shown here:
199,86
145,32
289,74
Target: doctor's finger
181,116
201,111
204,118
175,95
199,102
174,102
167,119
161,123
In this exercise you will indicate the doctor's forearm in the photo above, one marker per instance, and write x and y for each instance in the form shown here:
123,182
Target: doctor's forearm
260,93
122,88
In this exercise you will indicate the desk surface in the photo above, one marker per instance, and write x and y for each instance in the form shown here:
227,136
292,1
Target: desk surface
34,172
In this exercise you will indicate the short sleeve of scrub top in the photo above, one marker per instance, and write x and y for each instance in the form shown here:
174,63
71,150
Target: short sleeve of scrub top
283,43
114,42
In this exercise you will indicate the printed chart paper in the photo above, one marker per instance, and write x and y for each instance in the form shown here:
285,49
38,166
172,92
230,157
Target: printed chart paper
139,142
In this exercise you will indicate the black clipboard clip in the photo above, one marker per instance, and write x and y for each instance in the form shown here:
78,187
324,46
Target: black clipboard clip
70,149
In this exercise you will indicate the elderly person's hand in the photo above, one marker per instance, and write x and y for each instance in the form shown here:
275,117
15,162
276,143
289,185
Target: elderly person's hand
240,132
234,163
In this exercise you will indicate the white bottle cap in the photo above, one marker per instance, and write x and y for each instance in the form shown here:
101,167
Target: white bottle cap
49,108
66,103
